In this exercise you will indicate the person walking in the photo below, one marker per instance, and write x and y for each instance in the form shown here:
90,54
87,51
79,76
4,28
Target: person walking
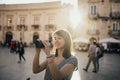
92,58
62,64
21,52
98,52
12,46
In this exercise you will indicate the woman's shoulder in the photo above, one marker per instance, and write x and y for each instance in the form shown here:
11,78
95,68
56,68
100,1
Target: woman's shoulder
72,57
72,60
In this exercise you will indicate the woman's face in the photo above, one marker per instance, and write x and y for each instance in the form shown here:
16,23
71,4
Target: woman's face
59,41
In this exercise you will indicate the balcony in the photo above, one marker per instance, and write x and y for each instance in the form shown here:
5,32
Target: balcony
20,27
115,15
114,32
35,27
93,32
91,16
8,27
115,1
50,27
103,17
93,1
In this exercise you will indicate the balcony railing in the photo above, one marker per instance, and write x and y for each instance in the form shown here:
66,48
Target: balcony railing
91,16
98,16
20,27
93,1
35,26
115,15
116,1
104,17
114,32
93,32
8,27
50,27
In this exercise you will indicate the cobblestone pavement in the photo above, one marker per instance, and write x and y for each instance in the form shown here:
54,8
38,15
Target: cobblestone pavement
10,69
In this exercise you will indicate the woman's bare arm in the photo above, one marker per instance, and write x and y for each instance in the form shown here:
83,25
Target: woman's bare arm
37,67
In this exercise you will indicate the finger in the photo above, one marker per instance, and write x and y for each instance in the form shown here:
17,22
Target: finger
44,43
47,44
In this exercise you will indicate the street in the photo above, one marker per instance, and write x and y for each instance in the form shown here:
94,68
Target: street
10,69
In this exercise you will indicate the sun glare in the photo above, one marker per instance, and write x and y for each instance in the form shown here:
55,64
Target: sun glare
74,17
76,76
77,16
74,12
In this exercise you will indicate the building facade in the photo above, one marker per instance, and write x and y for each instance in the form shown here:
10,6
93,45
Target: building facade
98,19
28,22
103,18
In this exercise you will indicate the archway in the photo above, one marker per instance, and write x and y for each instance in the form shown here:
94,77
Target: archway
35,36
8,38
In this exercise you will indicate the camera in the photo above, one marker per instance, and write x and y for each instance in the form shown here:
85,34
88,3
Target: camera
39,44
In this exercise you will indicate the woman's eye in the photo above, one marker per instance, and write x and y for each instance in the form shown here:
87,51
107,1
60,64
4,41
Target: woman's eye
54,38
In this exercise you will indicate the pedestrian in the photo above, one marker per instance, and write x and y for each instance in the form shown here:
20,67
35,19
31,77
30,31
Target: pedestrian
21,52
11,46
92,58
98,52
61,65
17,46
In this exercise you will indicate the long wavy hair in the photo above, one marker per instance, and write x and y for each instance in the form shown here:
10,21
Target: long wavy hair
68,43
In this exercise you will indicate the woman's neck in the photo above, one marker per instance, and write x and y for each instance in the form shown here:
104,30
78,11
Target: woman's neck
60,52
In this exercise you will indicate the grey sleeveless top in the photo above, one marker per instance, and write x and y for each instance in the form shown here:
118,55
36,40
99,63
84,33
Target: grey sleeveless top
70,60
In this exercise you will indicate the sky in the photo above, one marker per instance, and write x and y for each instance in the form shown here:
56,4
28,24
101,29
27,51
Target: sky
23,1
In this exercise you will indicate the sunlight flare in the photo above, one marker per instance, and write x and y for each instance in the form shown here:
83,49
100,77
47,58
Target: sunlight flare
76,75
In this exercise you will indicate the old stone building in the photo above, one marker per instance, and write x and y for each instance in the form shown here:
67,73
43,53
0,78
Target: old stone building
103,18
98,19
27,22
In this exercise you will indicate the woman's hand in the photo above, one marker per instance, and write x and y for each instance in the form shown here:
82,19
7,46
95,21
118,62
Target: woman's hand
47,47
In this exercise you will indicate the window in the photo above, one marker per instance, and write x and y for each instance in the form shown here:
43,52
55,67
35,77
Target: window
36,20
22,20
116,7
93,10
93,29
51,19
115,26
9,20
0,27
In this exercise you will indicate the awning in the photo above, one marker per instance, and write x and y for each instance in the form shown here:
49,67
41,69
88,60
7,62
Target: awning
81,39
109,40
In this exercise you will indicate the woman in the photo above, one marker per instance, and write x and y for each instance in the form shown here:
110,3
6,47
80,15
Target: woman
21,52
98,52
61,65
